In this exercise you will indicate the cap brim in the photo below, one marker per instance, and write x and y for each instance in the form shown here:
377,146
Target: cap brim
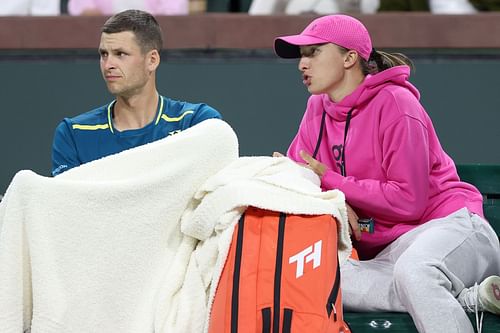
289,46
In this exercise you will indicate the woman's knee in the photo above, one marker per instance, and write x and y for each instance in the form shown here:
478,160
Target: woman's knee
412,275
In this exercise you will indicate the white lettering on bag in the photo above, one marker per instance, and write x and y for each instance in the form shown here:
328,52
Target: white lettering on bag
306,256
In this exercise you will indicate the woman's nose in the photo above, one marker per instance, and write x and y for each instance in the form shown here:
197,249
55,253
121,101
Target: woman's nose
303,64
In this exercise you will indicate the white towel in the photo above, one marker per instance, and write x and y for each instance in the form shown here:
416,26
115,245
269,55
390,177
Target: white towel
98,247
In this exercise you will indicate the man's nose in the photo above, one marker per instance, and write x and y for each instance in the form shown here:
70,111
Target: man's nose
108,62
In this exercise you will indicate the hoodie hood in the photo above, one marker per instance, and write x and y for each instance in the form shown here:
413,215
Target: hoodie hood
364,93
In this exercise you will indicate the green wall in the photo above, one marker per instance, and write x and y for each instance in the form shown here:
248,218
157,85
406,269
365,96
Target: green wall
262,97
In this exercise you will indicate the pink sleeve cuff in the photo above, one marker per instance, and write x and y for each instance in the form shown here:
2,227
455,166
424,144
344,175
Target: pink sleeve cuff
331,180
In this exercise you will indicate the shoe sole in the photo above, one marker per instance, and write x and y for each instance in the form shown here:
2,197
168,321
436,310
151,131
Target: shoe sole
489,294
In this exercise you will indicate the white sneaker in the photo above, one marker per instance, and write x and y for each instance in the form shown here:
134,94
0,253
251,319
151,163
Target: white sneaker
481,298
484,297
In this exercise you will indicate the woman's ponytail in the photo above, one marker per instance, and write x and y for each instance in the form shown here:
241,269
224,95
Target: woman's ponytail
380,61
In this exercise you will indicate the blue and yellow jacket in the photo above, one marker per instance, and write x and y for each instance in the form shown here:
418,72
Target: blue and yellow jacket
91,135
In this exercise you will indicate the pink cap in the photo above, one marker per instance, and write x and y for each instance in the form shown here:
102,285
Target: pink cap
343,30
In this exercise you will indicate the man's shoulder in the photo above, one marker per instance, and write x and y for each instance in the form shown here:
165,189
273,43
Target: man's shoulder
93,117
178,110
178,106
173,105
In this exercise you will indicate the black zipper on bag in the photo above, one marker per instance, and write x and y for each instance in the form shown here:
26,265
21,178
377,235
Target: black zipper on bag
236,276
277,273
266,320
330,305
287,321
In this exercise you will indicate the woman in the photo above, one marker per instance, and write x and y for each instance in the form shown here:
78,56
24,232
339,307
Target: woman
365,133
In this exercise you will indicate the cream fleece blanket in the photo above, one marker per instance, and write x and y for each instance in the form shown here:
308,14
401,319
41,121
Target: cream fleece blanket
113,245
98,247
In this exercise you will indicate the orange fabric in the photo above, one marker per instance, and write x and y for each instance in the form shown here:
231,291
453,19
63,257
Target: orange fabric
354,254
305,289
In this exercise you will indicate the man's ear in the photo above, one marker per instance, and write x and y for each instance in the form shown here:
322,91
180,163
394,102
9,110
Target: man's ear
153,57
350,59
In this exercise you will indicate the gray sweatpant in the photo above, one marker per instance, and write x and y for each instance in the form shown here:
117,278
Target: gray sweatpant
424,270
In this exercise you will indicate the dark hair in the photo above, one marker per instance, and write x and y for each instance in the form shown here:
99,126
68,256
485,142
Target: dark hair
380,60
146,29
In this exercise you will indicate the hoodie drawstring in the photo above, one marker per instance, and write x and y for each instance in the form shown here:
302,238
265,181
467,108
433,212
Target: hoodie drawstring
320,136
318,142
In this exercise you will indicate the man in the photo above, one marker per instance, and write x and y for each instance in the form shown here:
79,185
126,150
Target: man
129,56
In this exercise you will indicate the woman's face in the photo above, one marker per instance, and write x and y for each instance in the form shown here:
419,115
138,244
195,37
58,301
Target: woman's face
323,68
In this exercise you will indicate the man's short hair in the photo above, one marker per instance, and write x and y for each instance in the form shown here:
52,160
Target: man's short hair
146,29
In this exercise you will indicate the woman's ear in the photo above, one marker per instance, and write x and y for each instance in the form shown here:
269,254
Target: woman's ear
350,59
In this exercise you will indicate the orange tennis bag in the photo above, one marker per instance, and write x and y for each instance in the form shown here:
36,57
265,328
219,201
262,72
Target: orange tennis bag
281,275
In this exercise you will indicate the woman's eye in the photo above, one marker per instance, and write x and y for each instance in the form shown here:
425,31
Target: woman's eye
307,52
312,52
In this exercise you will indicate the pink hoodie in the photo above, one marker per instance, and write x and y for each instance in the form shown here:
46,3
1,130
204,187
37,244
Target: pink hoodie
396,170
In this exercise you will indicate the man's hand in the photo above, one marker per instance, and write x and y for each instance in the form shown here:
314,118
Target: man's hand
313,164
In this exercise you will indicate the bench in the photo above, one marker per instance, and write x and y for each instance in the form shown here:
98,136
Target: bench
487,180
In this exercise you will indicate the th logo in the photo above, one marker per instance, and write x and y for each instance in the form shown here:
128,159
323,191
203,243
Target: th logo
311,253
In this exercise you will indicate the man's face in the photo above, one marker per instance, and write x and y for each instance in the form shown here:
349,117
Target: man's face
124,67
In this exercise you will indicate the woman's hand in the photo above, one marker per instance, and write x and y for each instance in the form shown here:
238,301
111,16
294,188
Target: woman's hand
313,164
353,218
320,169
